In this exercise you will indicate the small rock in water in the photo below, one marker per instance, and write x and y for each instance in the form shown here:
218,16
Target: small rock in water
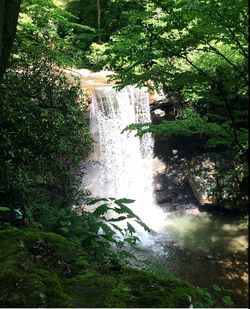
193,211
159,112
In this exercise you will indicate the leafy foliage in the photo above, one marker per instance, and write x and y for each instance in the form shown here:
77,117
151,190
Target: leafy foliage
113,16
100,231
171,44
209,299
197,52
44,134
44,29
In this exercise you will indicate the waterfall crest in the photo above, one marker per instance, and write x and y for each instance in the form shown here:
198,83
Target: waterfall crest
122,163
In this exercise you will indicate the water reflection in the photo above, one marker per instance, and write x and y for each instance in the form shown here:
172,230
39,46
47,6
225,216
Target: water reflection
206,232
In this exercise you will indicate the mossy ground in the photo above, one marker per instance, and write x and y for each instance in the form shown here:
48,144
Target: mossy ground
40,269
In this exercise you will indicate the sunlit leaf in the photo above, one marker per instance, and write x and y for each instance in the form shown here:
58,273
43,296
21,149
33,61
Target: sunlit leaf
4,209
216,288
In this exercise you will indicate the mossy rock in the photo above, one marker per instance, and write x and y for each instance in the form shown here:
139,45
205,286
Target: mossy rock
33,265
40,269
130,288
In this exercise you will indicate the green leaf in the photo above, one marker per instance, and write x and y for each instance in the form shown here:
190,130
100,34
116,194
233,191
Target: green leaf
4,209
132,241
95,228
227,300
124,201
130,228
124,209
107,230
146,228
64,223
117,219
216,288
64,229
97,200
117,228
126,254
101,210
91,220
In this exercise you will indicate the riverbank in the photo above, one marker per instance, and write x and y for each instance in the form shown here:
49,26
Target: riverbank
46,270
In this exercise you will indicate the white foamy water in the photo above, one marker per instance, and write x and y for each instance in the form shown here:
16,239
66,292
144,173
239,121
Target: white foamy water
122,163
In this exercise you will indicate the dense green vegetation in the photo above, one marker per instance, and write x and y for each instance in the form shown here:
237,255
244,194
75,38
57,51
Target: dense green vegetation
42,124
48,30
51,250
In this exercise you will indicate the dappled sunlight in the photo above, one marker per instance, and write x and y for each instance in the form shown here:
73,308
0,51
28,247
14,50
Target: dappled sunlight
238,243
206,233
230,228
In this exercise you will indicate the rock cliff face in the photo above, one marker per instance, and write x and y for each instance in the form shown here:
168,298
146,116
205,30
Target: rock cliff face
89,80
186,176
213,184
171,166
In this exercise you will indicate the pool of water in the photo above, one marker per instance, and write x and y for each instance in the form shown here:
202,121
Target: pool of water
206,232
204,249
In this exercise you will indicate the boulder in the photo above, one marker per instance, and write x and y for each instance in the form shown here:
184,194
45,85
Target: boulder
212,183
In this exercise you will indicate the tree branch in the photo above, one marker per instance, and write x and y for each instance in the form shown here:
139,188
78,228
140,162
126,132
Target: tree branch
216,51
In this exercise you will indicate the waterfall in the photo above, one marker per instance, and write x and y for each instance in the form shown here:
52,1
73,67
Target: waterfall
121,164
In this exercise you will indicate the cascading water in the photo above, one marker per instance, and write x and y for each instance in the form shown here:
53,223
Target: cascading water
122,163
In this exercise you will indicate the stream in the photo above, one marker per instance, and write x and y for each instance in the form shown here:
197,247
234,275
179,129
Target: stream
201,247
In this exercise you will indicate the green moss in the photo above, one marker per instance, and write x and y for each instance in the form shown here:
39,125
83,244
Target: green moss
46,270
92,290
130,288
151,290
24,281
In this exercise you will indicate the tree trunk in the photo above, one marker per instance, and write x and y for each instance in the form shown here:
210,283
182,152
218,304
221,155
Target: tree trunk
98,7
9,10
